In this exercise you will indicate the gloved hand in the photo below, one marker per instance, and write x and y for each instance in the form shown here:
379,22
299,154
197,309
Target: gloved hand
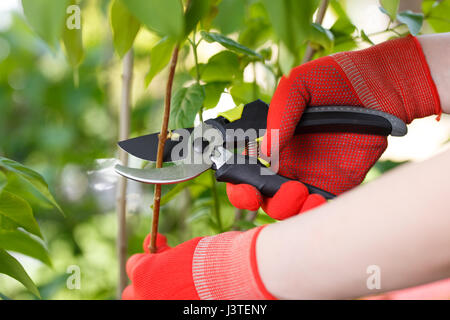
392,77
217,267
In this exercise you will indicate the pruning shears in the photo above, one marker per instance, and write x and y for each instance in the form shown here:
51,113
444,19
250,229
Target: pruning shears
212,145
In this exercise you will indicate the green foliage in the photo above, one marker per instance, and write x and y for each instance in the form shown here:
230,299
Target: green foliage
437,14
222,67
159,58
26,180
125,27
19,241
163,17
230,44
197,10
230,16
15,212
291,21
321,37
11,267
257,28
186,102
246,91
213,91
46,17
413,20
73,43
390,7
365,37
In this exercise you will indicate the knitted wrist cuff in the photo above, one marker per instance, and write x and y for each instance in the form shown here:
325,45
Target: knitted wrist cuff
393,77
224,267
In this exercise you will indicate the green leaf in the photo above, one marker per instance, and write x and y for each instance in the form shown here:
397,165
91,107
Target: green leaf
291,21
49,289
3,181
342,30
366,38
437,14
30,178
287,59
163,17
11,267
73,43
246,92
46,18
230,17
19,211
213,91
186,102
343,24
222,67
3,297
413,20
20,241
321,37
266,53
196,11
159,58
257,30
230,44
390,7
8,224
125,27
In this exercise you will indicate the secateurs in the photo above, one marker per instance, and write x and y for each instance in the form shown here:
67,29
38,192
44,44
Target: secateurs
213,144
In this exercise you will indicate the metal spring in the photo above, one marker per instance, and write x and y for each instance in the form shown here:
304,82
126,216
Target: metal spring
252,148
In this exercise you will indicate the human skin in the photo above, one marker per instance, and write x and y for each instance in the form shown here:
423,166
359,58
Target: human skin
436,48
399,223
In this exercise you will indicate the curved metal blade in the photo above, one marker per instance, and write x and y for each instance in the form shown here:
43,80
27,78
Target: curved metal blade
197,160
166,175
146,147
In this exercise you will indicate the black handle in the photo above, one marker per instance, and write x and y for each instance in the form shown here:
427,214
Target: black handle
321,119
243,169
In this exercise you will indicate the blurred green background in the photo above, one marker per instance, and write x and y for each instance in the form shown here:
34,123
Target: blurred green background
68,133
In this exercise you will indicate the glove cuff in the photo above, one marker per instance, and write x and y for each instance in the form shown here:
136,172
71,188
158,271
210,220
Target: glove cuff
224,267
393,77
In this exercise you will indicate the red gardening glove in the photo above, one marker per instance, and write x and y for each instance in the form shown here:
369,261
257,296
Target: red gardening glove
392,77
163,275
217,267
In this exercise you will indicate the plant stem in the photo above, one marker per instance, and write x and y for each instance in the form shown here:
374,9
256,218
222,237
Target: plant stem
216,202
251,215
310,51
121,201
161,144
213,181
237,217
393,30
197,67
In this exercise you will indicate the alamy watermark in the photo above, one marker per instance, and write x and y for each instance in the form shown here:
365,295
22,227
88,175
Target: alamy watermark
374,280
200,145
73,281
74,19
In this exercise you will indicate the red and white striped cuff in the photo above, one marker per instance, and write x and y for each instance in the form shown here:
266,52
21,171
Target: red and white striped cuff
224,267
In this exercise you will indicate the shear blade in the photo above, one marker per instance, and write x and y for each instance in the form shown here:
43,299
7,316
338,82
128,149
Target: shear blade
146,147
165,175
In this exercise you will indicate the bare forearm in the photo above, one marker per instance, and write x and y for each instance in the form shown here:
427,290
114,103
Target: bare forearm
436,48
399,223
